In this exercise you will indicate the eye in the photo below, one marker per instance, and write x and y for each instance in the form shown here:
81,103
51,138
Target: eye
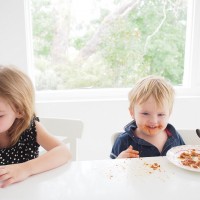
161,115
145,113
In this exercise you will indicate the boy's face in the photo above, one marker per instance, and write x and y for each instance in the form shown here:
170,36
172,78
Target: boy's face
150,118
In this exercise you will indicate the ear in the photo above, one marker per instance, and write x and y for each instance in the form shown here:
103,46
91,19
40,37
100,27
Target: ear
19,115
131,111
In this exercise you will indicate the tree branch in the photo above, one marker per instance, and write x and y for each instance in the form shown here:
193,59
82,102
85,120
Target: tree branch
91,46
156,30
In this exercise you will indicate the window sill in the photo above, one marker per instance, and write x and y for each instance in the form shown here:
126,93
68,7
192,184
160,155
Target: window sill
101,94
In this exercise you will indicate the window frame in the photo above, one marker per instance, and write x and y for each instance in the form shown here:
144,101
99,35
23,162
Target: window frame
191,81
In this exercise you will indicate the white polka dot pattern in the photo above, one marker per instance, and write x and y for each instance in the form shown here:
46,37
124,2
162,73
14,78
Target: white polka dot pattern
25,149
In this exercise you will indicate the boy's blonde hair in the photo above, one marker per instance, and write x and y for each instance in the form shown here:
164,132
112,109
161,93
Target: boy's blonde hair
17,89
156,86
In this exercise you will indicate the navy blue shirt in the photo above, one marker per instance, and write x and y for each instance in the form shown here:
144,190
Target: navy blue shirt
146,149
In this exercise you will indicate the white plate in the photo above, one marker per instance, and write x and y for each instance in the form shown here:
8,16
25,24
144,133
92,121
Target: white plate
174,153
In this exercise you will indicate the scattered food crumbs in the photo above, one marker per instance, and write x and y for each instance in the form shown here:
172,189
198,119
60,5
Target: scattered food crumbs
154,166
111,176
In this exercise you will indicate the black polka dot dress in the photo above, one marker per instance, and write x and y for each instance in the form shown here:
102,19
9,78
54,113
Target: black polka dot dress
25,149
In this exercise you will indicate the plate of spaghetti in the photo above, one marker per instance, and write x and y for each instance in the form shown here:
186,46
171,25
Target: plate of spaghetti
186,157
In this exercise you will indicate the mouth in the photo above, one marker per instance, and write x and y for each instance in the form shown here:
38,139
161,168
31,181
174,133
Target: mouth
151,130
152,127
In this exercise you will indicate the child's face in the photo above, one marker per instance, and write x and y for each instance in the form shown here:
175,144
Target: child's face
150,118
7,116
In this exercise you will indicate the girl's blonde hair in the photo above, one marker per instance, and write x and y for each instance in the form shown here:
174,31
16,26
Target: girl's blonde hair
17,89
156,86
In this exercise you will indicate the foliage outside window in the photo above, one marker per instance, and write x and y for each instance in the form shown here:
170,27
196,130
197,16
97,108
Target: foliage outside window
107,44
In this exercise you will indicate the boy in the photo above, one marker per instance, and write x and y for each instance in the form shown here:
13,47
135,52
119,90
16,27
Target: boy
149,134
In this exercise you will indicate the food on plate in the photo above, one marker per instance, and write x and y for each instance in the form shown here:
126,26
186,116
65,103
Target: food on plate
190,158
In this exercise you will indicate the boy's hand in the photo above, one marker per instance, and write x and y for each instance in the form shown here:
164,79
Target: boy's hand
129,153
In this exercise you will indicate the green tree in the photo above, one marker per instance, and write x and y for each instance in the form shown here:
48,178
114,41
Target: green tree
123,44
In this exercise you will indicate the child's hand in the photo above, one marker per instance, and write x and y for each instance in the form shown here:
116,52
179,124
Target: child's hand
10,174
129,153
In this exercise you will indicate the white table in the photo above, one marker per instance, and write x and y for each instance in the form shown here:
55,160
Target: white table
109,179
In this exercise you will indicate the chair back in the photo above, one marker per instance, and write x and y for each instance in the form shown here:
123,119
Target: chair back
190,137
69,129
114,137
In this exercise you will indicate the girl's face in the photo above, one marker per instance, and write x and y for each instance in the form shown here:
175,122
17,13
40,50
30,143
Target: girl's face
150,118
7,116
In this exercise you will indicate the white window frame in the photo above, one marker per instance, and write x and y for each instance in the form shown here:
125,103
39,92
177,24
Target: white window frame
191,80
192,47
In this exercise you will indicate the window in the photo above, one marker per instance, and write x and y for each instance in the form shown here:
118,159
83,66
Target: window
108,44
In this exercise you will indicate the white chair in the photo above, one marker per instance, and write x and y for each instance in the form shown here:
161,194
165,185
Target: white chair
189,136
68,130
114,137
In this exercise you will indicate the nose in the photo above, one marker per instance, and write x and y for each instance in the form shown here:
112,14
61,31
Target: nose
153,120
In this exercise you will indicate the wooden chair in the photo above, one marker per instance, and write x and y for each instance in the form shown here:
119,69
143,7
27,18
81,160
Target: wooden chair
68,130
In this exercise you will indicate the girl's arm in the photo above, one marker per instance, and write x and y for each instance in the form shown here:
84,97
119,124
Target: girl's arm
57,154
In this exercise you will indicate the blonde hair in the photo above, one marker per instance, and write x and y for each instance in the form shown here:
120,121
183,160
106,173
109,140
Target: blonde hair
156,86
17,89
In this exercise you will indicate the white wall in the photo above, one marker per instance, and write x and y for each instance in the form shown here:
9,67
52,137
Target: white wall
13,38
104,117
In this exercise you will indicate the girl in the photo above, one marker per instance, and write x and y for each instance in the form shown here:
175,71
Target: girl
21,133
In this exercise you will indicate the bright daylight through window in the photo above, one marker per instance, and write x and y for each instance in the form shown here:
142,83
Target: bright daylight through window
107,43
